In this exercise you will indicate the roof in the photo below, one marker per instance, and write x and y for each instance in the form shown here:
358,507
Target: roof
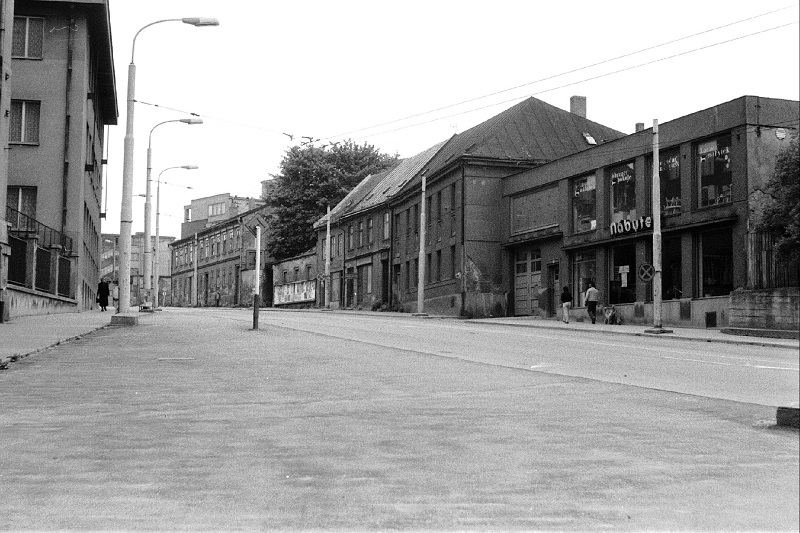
355,195
532,130
399,176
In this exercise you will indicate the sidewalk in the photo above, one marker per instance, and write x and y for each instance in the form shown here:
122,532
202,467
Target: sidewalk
25,335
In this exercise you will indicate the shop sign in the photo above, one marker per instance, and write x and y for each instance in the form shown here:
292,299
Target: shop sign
631,226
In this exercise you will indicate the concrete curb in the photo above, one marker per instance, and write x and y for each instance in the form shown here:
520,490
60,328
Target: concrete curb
639,334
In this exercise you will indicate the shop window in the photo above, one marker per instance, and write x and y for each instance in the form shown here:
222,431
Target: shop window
623,192
714,171
669,173
671,268
716,267
584,209
583,272
622,278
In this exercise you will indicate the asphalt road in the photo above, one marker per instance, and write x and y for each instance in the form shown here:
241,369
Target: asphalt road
192,421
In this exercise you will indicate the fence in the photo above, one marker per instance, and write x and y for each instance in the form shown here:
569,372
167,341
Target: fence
766,269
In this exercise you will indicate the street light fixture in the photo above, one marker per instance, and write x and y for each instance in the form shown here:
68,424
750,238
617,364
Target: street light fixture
157,267
148,247
126,211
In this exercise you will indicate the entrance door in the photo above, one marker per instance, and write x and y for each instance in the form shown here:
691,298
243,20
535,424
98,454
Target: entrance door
385,281
527,281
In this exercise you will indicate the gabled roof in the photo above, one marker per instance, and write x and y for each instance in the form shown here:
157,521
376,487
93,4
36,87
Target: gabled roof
399,176
353,197
532,130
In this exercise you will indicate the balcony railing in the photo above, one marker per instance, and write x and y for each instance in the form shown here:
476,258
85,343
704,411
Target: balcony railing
24,226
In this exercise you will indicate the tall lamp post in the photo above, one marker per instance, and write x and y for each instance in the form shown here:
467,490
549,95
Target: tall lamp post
157,266
126,211
148,274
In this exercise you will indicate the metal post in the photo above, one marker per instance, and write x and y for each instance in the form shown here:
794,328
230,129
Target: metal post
195,281
156,260
148,241
257,288
328,260
422,236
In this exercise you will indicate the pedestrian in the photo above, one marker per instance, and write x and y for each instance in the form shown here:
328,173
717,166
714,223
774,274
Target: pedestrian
592,296
115,296
566,303
102,294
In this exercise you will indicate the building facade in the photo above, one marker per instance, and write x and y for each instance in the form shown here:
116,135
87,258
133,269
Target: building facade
588,217
205,212
295,281
62,97
215,267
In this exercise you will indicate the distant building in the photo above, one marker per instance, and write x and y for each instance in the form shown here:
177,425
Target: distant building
59,97
295,281
216,265
205,212
109,268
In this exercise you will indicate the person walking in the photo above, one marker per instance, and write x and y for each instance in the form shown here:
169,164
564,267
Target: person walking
102,294
566,303
592,296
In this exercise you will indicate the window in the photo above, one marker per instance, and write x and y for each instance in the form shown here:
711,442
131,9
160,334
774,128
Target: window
368,272
369,230
386,226
438,269
453,262
350,237
286,276
671,278
716,268
216,209
296,274
415,273
408,276
416,219
623,192
308,272
427,268
28,37
339,244
622,278
584,210
22,199
714,171
439,206
408,223
583,273
24,123
361,234
669,173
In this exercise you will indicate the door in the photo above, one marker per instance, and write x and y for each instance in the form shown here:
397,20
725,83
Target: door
527,281
552,288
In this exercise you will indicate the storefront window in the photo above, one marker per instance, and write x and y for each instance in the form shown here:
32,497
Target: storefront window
583,273
671,278
622,278
669,172
714,171
623,192
584,209
716,269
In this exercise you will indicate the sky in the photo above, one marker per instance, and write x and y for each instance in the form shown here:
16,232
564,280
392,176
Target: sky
359,69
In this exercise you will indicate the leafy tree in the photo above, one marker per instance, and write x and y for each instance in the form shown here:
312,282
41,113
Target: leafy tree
310,179
782,214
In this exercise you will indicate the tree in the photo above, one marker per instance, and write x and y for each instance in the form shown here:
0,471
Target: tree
782,214
310,179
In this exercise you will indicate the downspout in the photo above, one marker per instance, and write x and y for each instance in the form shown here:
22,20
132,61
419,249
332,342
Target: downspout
391,258
463,241
67,121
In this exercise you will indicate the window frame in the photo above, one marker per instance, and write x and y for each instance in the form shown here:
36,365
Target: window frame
27,37
24,137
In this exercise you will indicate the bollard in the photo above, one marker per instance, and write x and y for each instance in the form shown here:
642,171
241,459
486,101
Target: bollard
256,303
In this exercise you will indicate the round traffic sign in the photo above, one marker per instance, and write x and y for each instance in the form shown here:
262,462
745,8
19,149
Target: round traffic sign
646,272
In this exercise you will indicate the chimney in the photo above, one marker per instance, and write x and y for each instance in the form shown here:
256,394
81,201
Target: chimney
577,105
640,126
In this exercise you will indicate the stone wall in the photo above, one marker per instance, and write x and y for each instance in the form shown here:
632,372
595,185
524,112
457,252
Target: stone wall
766,309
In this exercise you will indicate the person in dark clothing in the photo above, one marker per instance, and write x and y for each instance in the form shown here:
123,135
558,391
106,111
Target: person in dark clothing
592,296
566,303
102,294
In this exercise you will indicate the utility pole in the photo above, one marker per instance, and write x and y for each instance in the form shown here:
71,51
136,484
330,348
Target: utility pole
422,237
195,281
328,260
656,202
257,288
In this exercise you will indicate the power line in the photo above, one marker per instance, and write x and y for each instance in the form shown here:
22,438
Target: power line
519,98
556,75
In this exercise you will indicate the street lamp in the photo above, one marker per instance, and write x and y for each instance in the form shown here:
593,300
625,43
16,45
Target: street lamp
148,274
126,211
158,233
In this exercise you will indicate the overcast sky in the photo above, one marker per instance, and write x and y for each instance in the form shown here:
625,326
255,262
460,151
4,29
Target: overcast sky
330,70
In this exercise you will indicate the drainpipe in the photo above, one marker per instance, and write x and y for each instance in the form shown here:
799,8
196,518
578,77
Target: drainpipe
67,121
463,242
391,258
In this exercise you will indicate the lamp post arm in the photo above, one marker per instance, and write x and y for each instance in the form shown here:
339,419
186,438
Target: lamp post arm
133,46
